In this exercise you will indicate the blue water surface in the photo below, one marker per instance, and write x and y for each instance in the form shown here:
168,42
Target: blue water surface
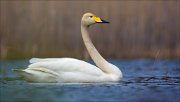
144,80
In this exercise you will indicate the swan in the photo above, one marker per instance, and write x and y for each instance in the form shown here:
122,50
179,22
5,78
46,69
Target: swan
70,70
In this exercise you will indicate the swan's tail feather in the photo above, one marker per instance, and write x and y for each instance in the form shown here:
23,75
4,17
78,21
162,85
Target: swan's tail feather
37,74
21,72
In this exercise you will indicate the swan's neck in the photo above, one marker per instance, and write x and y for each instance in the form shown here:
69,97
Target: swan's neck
97,58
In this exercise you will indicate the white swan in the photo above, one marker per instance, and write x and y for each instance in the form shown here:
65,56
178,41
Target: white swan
70,70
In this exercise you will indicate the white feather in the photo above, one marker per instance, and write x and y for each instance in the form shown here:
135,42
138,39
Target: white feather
70,69
66,65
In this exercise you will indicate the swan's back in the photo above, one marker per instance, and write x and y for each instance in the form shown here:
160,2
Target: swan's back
60,65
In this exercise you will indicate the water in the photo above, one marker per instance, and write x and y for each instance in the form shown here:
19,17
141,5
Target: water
144,80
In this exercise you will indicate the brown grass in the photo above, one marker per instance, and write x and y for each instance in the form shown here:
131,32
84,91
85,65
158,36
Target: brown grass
52,29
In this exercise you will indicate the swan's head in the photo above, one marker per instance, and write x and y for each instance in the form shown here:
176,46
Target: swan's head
89,19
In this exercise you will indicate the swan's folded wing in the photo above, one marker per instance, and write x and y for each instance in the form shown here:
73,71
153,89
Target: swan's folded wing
44,70
67,65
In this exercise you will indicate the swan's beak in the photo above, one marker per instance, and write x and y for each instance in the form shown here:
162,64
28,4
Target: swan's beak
99,20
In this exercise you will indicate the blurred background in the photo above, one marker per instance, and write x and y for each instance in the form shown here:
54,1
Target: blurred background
143,40
138,29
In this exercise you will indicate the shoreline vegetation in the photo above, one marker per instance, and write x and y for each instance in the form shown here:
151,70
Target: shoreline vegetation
150,55
137,29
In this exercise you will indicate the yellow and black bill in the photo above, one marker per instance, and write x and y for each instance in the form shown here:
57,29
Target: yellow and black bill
99,20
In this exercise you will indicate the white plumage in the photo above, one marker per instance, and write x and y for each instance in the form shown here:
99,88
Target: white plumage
73,70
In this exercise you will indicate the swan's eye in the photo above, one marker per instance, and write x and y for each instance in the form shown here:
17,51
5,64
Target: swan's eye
90,16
